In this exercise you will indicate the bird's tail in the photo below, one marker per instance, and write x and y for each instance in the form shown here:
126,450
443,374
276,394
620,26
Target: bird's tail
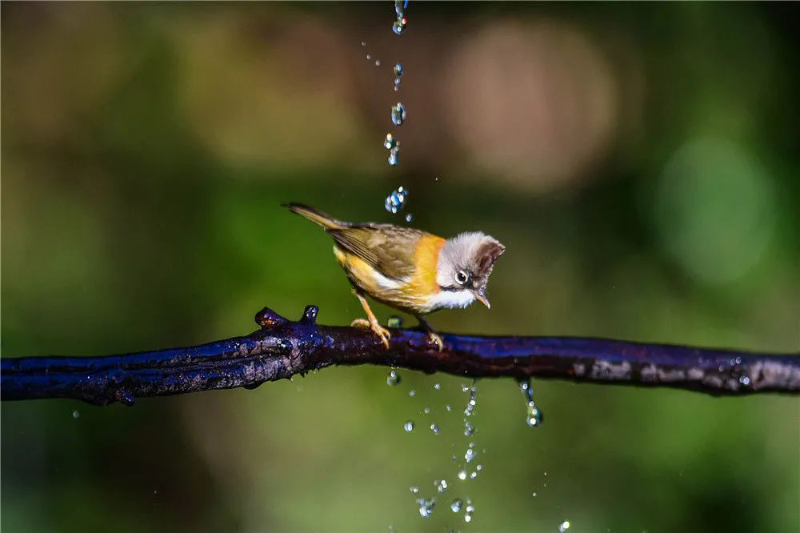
317,217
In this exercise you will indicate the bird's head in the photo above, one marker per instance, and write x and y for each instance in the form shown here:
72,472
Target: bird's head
465,264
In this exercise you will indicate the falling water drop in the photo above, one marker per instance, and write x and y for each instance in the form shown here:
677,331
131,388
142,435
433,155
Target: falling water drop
409,426
400,7
409,218
435,429
426,507
469,455
469,429
76,414
441,485
456,505
363,43
462,475
396,200
412,393
398,70
563,526
394,155
377,62
398,114
399,25
389,142
468,510
369,57
413,490
534,416
393,378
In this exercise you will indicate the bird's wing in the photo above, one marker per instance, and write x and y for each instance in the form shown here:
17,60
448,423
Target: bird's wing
386,248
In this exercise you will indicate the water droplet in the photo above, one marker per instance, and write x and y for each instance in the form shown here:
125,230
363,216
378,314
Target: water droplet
399,25
398,70
469,429
470,455
534,416
435,429
462,475
473,475
377,62
409,218
437,386
76,414
369,57
464,387
744,380
441,486
396,200
394,156
389,142
413,490
427,410
412,393
468,510
473,401
409,426
563,526
396,82
396,88
533,494
393,378
398,114
363,43
395,322
456,505
448,407
400,7
426,507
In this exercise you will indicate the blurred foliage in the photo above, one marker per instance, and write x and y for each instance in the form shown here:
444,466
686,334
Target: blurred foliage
638,161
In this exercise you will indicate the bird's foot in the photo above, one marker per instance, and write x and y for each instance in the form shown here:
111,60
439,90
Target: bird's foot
436,339
383,334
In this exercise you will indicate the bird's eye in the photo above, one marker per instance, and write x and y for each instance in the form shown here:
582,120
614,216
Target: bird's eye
461,277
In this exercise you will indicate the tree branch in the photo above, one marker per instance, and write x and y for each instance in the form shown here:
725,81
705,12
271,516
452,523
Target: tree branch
282,349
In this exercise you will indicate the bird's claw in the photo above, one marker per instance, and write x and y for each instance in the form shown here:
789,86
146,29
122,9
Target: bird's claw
436,339
383,334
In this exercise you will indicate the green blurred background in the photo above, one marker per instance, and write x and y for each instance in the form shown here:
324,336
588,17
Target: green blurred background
640,163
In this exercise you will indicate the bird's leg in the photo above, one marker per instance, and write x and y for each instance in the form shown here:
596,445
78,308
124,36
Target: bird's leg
432,335
371,322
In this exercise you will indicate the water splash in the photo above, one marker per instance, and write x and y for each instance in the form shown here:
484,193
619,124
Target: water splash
534,416
396,201
409,426
393,378
398,114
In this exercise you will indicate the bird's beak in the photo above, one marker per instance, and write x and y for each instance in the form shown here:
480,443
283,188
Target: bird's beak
481,297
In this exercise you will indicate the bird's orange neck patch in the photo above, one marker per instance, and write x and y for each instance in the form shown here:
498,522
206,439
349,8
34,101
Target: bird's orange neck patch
426,259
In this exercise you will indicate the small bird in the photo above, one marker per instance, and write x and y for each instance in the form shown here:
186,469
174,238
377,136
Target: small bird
409,269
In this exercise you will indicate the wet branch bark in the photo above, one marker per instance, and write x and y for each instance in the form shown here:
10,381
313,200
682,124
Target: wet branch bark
282,348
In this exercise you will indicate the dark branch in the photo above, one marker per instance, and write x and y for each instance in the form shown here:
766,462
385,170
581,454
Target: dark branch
282,349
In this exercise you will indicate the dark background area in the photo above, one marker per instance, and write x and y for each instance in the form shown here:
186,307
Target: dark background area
639,162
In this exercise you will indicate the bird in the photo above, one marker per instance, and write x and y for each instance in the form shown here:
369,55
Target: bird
409,269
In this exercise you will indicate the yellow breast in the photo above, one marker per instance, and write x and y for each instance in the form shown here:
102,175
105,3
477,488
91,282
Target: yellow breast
412,294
